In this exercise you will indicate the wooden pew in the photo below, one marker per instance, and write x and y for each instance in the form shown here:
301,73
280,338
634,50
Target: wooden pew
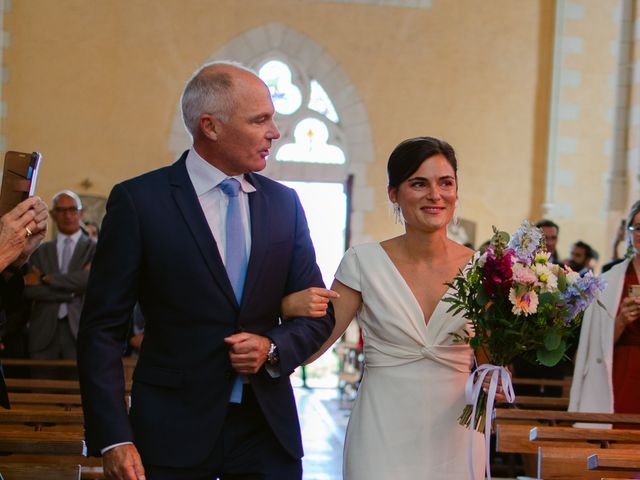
564,383
67,401
606,438
623,461
91,467
41,418
47,385
42,436
39,471
514,438
524,431
553,417
15,439
533,402
43,384
570,463
128,363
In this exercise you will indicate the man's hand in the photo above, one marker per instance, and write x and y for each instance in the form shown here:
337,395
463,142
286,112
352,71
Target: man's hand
123,463
32,278
247,352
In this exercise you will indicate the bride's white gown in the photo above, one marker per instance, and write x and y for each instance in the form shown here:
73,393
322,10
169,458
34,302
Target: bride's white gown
404,421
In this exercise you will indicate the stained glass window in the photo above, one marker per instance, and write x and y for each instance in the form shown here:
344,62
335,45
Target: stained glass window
285,95
319,101
297,97
310,145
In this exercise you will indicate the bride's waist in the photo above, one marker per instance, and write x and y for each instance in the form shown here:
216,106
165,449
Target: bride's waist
386,354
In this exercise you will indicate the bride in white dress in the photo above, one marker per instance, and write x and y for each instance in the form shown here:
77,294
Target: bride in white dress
404,421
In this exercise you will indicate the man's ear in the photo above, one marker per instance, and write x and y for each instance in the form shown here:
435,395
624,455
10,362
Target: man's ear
209,126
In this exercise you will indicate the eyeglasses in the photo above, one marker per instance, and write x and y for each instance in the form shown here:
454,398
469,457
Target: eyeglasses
63,210
634,229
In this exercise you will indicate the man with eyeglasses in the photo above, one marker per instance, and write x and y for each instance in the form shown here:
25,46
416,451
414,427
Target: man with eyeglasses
57,281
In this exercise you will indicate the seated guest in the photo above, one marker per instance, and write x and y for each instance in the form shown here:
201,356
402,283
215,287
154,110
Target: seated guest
21,231
607,366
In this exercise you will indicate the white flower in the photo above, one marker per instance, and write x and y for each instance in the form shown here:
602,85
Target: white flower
482,260
572,277
546,277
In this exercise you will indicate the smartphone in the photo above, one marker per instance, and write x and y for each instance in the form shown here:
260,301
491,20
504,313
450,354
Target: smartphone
20,174
634,290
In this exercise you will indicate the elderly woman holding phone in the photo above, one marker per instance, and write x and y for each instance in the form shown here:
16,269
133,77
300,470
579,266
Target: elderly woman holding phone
21,231
607,367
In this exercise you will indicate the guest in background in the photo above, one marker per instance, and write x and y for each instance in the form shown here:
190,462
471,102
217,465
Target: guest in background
59,271
550,231
607,366
21,231
580,257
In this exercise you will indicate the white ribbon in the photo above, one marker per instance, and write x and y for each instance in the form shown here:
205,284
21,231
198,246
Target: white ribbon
472,390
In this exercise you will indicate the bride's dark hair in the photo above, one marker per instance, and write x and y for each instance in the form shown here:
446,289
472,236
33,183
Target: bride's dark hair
407,157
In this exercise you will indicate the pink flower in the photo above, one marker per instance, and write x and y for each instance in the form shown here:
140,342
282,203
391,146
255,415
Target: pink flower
523,275
524,301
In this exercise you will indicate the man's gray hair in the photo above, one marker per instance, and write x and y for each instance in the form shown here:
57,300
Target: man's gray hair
68,193
209,92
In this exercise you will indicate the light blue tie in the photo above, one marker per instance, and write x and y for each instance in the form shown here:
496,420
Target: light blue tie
236,250
235,256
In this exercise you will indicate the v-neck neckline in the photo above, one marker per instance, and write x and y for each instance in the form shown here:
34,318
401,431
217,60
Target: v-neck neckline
425,321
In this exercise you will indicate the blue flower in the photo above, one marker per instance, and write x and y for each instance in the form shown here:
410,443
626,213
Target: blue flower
526,241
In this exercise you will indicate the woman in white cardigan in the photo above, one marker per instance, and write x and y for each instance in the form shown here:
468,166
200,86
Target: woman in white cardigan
606,377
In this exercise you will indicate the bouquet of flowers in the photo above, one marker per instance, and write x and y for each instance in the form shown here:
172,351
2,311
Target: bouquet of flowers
518,304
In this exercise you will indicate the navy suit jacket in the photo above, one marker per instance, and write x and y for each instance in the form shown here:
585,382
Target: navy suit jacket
156,247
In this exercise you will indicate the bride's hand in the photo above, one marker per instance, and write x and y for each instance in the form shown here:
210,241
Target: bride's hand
500,396
311,302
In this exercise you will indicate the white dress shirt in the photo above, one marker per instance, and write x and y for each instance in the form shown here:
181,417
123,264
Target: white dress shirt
206,181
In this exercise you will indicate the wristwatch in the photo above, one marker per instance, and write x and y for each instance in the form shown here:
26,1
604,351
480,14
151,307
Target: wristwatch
272,355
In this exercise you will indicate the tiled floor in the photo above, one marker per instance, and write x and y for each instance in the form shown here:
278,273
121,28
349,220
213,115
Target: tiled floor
323,425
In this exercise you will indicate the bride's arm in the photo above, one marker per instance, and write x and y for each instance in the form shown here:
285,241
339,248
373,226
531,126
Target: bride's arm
345,307
311,302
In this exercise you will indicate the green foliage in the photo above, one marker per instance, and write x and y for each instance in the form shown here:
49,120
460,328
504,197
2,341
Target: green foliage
550,357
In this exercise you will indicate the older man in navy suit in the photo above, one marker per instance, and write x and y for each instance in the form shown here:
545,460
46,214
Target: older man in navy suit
209,265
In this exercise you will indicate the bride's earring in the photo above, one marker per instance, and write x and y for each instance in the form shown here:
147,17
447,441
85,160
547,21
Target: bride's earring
397,213
456,219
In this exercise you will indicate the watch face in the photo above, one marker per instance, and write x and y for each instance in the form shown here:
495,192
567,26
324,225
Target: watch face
272,356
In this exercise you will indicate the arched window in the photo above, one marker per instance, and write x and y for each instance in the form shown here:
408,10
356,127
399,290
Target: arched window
310,140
